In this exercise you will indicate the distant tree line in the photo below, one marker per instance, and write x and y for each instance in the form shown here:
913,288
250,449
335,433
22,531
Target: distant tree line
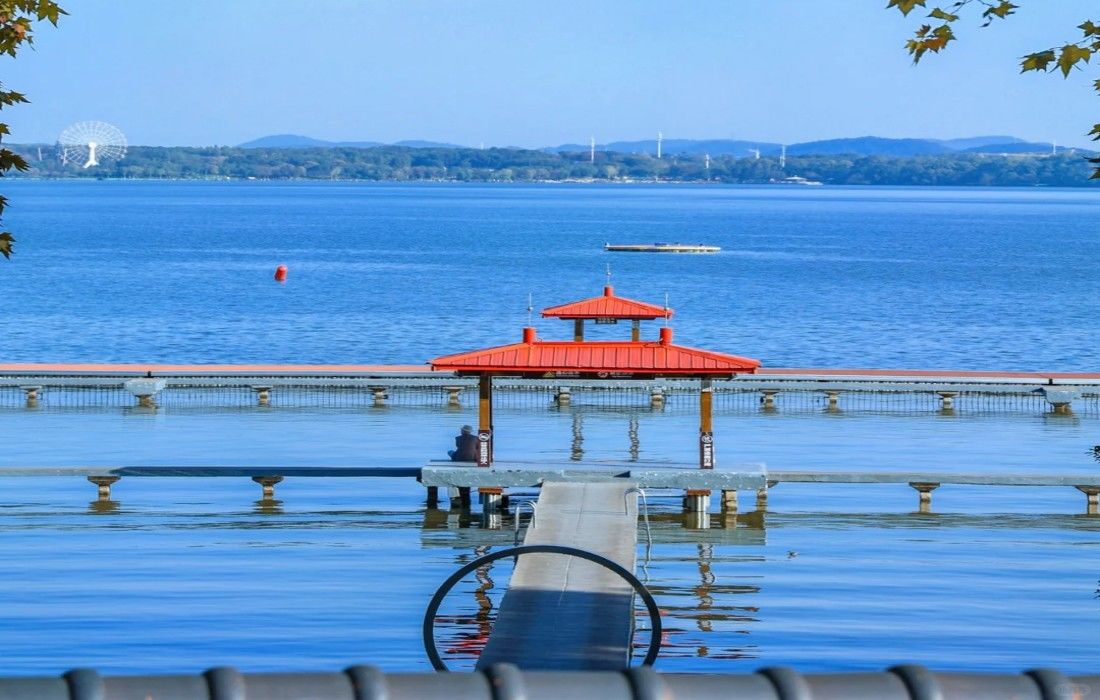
400,164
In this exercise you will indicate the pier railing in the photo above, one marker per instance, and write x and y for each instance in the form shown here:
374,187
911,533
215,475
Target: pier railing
506,682
774,389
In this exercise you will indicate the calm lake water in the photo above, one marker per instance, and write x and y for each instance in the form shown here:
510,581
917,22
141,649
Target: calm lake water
180,575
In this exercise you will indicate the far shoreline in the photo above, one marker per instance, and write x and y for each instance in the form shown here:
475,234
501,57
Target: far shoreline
1084,186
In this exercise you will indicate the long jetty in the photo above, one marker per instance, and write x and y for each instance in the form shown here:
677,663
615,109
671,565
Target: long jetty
146,381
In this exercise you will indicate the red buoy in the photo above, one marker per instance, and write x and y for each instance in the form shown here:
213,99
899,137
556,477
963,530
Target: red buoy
280,273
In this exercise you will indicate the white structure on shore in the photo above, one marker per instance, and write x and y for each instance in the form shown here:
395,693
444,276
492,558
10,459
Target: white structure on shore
88,143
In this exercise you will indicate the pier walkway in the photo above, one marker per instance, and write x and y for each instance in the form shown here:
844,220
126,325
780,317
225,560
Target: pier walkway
563,613
653,475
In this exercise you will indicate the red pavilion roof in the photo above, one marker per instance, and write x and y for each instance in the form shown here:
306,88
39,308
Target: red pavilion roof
608,306
534,356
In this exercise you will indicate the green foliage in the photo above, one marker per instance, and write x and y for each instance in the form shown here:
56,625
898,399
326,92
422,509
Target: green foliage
398,164
1065,58
17,18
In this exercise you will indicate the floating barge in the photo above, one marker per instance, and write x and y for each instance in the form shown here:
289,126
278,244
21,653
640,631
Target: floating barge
661,248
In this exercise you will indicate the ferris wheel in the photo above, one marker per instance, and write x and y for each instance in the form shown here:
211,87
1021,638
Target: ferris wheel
88,143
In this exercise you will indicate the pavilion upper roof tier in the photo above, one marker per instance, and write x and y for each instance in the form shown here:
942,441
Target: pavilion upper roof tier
608,306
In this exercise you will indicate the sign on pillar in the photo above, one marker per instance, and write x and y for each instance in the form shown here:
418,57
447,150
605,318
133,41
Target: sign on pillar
484,448
706,450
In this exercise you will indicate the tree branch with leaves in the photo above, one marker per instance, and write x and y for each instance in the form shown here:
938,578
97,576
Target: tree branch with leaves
17,22
935,36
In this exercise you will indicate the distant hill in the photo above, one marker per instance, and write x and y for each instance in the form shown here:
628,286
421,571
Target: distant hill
870,146
676,147
978,142
737,148
860,146
1014,147
298,141
425,144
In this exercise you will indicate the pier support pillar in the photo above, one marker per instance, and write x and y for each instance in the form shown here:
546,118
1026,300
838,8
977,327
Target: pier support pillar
433,497
267,483
263,395
833,401
947,400
729,501
762,495
103,484
767,399
492,499
460,497
697,501
454,395
563,396
145,389
1092,495
380,396
657,397
925,489
1061,399
31,394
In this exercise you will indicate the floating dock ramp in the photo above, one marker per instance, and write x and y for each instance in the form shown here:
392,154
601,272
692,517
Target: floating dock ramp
661,248
564,613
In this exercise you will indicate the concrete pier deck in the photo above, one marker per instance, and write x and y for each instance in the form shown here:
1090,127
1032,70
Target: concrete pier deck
563,613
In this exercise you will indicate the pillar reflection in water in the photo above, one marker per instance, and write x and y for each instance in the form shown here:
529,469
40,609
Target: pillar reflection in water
103,506
702,591
268,506
470,633
576,448
632,432
576,452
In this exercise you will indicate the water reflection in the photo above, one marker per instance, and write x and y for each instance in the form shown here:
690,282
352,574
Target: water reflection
103,506
465,636
267,506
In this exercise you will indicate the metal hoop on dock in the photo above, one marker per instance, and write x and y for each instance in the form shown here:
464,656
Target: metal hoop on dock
433,607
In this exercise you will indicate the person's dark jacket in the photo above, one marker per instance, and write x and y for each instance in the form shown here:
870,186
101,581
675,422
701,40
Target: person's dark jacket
466,448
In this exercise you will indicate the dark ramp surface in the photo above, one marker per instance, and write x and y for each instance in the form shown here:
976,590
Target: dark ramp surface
561,612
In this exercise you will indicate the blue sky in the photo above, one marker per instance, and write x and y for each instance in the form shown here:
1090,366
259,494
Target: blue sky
514,72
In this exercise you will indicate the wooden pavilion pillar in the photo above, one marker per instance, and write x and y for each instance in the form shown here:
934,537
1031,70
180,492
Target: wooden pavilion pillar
578,330
698,500
706,425
485,420
636,330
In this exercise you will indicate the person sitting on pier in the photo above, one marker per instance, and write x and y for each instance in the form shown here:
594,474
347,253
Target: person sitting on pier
465,446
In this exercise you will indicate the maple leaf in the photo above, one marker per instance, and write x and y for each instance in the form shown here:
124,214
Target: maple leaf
1071,54
906,6
1037,61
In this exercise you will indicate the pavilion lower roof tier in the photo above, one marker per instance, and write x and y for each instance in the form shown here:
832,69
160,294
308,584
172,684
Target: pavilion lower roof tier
549,358
608,306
